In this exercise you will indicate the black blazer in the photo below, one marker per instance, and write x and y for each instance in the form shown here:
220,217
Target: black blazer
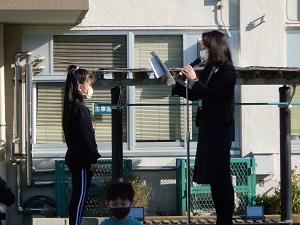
216,95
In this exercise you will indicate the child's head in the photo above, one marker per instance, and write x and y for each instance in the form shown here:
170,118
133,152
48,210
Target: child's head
120,198
78,84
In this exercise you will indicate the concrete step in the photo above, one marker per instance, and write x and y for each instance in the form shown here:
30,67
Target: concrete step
64,221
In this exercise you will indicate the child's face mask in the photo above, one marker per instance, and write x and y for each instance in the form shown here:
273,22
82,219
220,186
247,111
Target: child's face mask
119,212
89,94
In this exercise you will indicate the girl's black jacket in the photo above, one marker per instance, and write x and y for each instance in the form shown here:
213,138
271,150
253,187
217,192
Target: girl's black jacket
80,138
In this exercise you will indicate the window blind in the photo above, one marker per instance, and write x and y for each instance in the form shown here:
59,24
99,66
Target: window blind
49,113
50,108
155,122
89,51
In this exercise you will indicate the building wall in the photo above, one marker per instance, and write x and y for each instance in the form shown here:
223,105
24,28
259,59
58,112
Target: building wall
168,14
13,44
261,43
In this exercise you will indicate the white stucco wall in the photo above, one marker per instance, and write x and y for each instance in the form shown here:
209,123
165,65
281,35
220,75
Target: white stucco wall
261,44
152,14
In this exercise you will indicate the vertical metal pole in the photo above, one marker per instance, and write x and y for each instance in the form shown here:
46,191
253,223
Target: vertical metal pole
16,97
16,118
117,137
29,74
187,136
285,156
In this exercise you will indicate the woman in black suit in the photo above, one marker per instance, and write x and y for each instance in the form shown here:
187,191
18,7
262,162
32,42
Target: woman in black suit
214,90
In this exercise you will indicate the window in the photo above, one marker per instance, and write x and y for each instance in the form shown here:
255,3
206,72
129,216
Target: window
158,116
158,121
90,52
50,108
292,50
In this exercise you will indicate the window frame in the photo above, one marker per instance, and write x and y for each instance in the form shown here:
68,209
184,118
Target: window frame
130,149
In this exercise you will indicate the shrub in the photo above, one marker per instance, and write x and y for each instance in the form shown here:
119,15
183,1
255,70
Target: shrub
295,191
272,203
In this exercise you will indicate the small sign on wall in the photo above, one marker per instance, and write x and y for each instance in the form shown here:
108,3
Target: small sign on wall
101,108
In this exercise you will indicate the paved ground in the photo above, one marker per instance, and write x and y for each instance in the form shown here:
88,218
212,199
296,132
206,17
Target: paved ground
272,219
176,220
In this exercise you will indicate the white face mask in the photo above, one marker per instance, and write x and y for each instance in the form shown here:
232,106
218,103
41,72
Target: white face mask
204,55
89,94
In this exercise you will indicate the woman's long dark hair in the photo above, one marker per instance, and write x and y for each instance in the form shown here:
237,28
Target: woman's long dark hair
75,76
219,51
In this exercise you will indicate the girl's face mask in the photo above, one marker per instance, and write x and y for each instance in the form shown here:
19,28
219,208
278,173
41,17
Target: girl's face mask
89,94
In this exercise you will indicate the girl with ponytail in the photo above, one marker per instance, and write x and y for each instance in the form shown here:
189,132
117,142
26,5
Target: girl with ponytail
82,153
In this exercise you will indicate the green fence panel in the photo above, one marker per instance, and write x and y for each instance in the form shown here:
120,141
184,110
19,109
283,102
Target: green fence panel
63,186
243,179
60,188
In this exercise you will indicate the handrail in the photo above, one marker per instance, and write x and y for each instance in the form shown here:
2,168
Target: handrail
196,104
253,75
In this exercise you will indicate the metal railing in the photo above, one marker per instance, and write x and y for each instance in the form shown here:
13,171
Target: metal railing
243,179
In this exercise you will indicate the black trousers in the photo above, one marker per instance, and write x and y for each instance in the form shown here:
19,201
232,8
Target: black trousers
81,180
223,197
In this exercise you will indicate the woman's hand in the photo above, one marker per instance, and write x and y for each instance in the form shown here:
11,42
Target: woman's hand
189,72
94,167
164,78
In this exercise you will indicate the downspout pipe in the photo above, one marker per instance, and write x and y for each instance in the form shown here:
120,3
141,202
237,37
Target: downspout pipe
31,61
29,75
14,142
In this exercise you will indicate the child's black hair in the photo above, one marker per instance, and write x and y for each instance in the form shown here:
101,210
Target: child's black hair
122,190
